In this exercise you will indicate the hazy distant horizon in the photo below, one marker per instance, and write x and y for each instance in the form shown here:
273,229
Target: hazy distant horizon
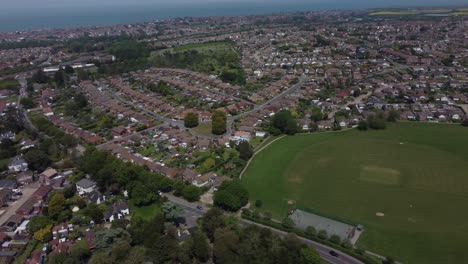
34,14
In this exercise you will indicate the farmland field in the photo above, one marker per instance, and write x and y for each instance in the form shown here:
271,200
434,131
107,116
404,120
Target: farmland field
415,174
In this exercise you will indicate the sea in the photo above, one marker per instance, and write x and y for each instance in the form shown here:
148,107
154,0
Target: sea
32,17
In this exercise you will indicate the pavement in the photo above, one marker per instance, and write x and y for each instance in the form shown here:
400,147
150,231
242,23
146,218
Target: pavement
14,206
323,250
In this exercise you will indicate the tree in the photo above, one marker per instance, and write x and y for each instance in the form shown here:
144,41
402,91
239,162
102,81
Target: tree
267,216
37,159
40,77
173,212
347,244
291,127
80,252
322,234
27,102
231,196
69,69
376,120
94,212
245,150
465,122
211,221
335,239
43,234
37,223
69,192
388,260
191,193
59,77
200,247
218,123
283,122
191,120
310,256
56,204
225,247
311,231
142,195
288,223
392,116
362,125
106,238
258,203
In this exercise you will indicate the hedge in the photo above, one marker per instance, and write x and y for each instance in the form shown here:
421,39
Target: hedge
300,233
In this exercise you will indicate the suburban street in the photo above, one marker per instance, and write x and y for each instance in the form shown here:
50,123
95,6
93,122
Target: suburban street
323,250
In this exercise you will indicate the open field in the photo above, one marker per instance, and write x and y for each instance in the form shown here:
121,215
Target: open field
415,174
204,129
10,84
147,213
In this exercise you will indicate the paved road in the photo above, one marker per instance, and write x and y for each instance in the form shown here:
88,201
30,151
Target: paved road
323,250
180,124
11,210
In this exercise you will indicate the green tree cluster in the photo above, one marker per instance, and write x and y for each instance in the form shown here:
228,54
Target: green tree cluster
231,196
283,123
191,120
218,123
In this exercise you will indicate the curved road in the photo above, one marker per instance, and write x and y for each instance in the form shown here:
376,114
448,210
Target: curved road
323,250
230,119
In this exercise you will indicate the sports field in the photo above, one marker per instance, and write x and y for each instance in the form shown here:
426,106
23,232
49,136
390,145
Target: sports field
415,176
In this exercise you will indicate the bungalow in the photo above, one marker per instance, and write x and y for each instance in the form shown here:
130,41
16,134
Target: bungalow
18,164
85,186
205,179
116,211
46,176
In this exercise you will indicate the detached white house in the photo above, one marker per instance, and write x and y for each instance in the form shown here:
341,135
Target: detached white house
85,186
18,164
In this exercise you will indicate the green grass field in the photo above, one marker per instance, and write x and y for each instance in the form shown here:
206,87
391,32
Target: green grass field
11,84
204,129
416,174
147,213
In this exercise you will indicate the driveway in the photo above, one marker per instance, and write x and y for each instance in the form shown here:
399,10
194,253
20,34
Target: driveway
27,192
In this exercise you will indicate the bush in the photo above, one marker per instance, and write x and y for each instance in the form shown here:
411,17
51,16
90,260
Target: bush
288,223
362,125
347,244
267,216
258,203
335,239
311,231
465,122
322,234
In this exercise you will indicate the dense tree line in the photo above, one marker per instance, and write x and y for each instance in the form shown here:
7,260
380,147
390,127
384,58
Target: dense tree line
114,175
218,123
283,123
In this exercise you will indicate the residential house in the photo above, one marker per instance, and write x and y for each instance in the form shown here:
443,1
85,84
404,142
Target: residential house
5,196
8,184
116,211
95,197
85,186
62,230
46,176
25,177
18,164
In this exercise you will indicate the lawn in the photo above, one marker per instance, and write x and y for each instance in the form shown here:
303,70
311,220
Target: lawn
416,174
204,129
10,84
147,213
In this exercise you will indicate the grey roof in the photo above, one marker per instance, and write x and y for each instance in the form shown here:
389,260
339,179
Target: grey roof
9,184
85,183
115,209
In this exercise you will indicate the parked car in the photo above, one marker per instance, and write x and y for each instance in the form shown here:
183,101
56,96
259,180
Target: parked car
334,254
